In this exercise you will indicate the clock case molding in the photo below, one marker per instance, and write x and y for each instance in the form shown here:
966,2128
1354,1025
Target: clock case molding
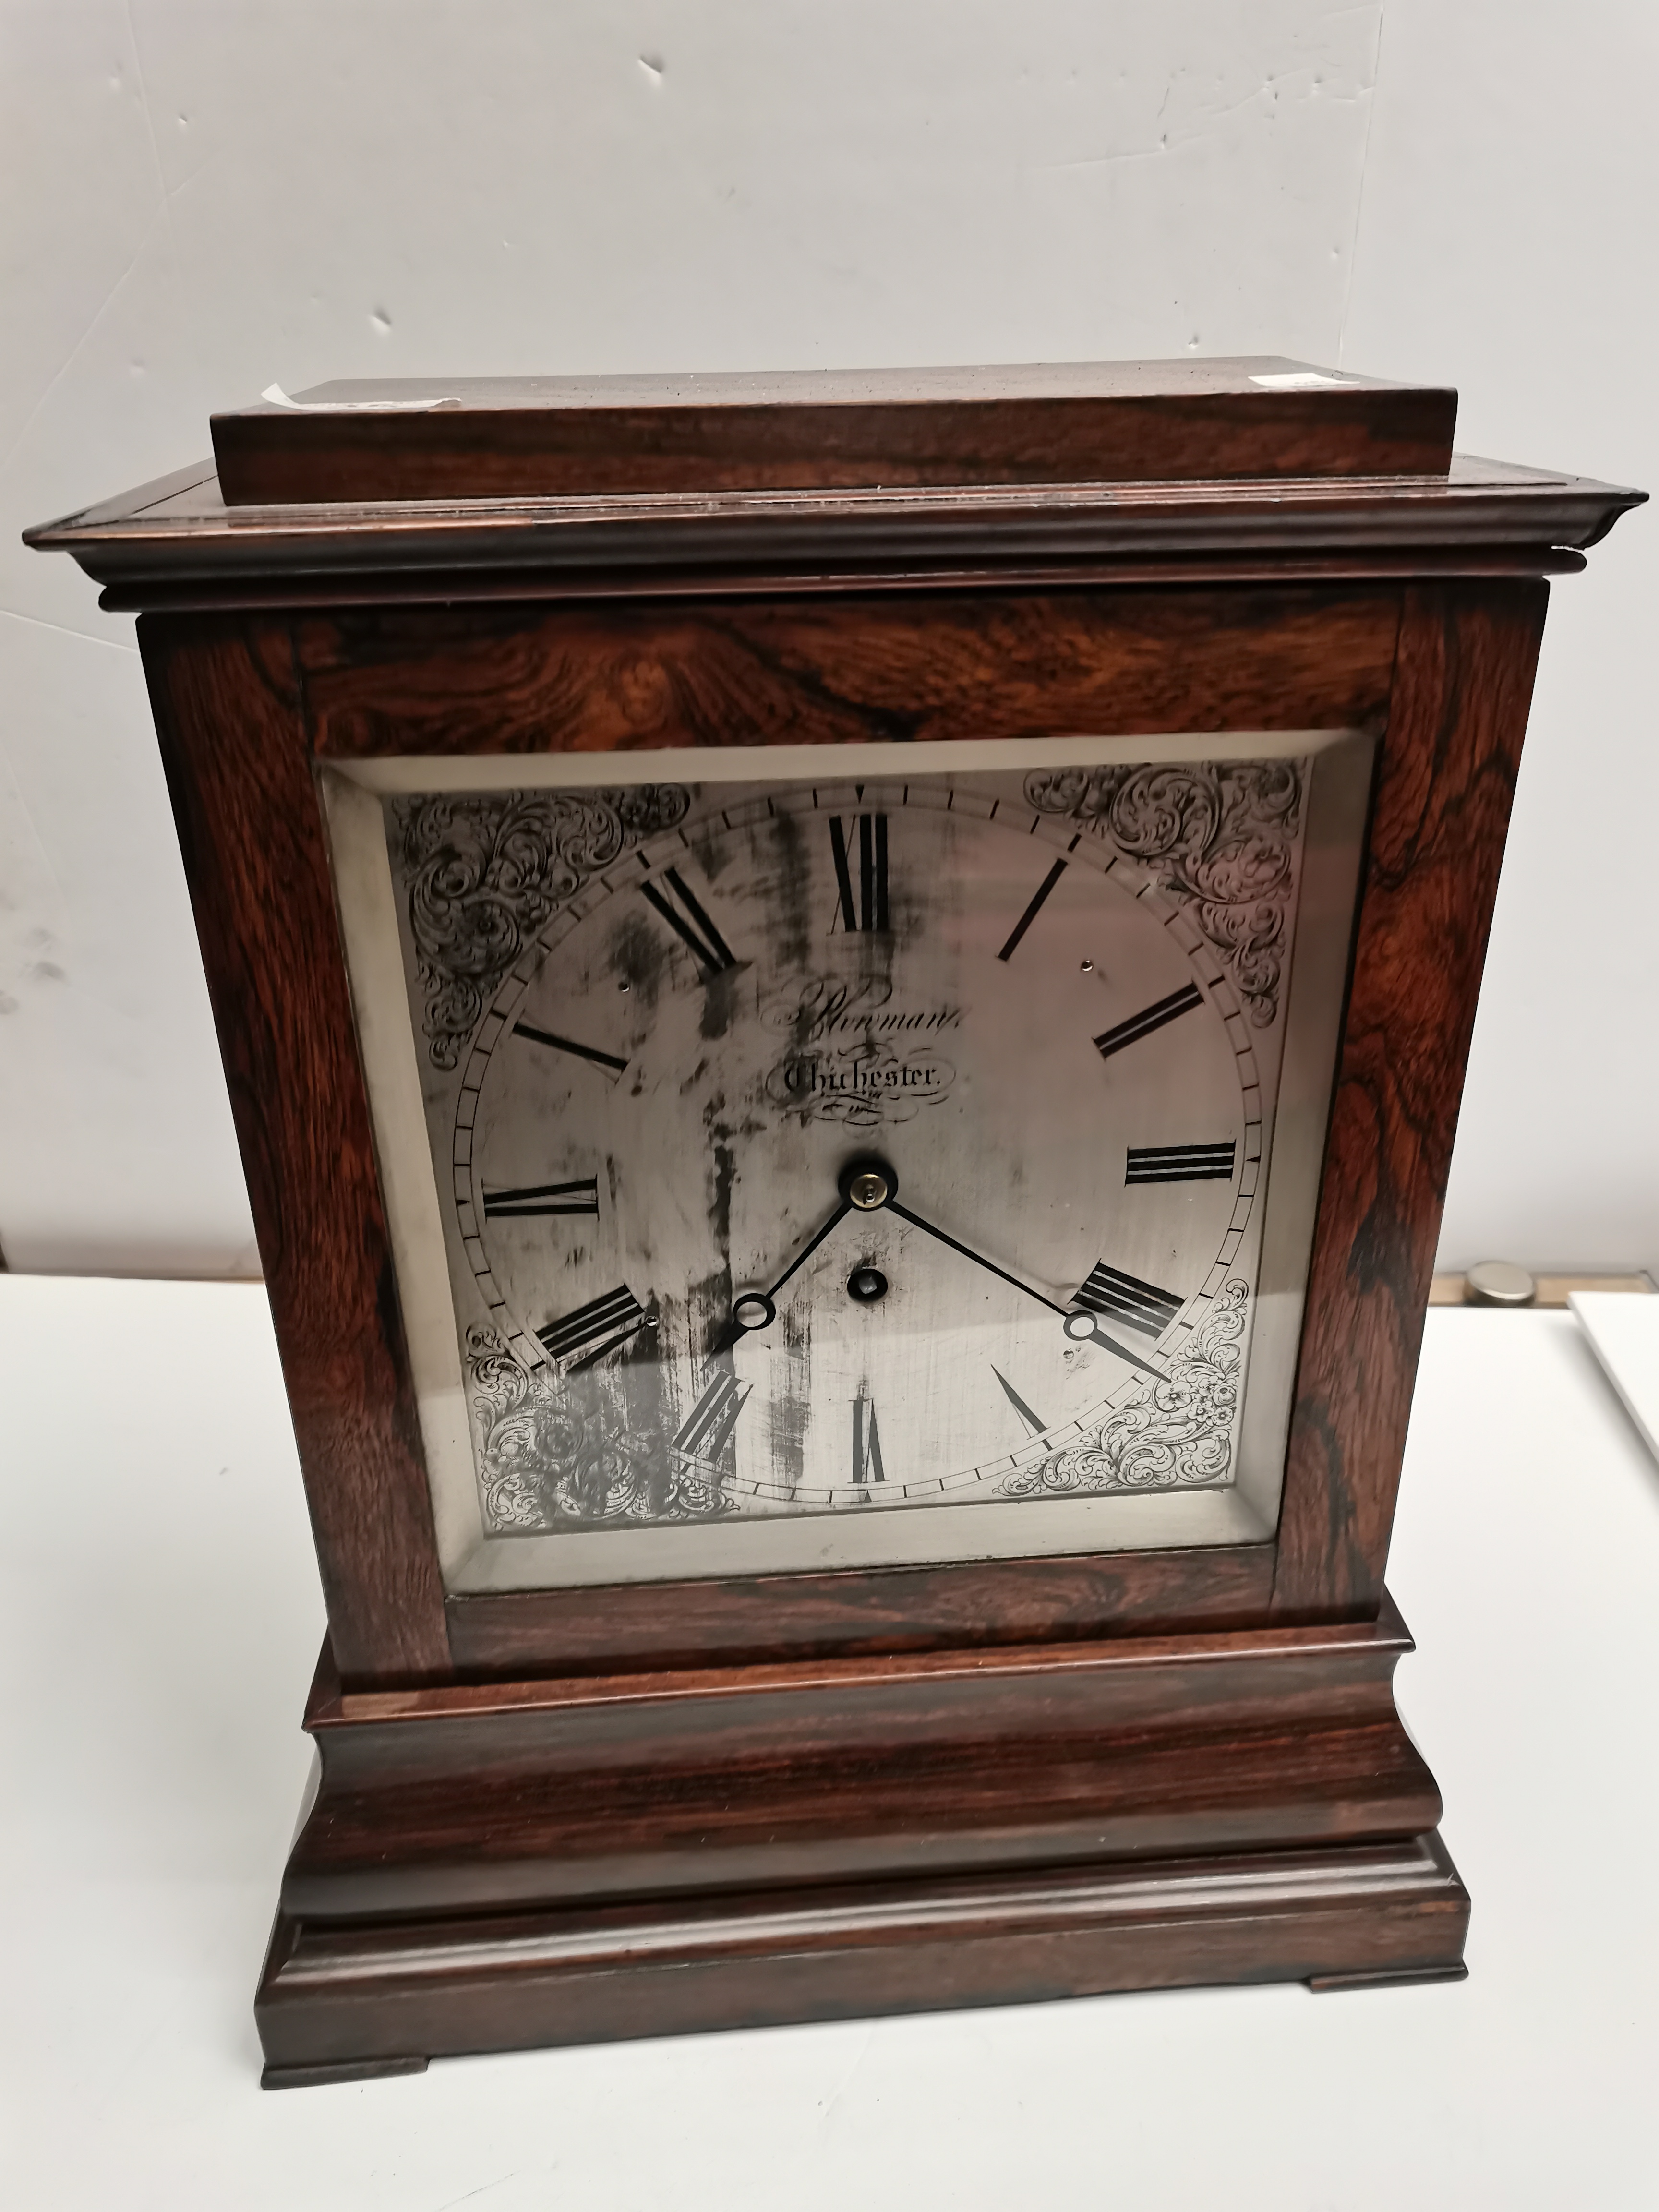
562,1815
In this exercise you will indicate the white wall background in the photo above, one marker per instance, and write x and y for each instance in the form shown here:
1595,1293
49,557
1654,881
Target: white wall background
197,196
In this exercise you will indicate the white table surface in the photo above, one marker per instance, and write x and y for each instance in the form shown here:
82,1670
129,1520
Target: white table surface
161,1616
1624,1334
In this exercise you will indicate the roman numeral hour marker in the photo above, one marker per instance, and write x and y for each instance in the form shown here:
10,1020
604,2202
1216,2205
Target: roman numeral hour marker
868,911
569,1044
691,924
1032,911
1034,1422
615,1316
1181,1163
1148,1019
866,1444
703,1432
542,1198
1128,1300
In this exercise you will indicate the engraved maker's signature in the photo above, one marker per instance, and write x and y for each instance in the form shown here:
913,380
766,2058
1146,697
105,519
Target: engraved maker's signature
856,1058
828,1007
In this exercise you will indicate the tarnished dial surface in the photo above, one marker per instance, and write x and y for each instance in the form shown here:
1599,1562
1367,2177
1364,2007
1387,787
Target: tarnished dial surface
1028,1058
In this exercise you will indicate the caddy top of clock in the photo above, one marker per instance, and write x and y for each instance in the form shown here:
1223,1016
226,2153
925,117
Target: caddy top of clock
845,998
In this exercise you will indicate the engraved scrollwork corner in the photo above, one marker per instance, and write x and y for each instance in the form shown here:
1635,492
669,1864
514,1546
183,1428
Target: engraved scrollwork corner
1218,834
480,873
558,1454
1175,1433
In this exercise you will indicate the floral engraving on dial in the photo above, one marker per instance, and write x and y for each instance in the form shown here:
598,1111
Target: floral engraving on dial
1176,1433
558,1454
1220,836
481,874
644,1126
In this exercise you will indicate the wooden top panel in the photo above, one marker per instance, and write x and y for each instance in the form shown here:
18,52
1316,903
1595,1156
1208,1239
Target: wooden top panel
828,429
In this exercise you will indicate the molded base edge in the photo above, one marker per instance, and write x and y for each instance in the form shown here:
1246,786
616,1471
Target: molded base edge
351,2069
342,2000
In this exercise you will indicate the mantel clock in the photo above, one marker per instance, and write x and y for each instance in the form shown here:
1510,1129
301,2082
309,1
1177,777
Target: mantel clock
845,998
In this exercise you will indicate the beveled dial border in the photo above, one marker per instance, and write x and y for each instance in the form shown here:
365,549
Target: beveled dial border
1102,1524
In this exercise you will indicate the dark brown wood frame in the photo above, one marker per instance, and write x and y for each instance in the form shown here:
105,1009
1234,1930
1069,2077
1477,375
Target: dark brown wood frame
573,1815
246,705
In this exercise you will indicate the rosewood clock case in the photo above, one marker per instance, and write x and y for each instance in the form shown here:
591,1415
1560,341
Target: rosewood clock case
625,1807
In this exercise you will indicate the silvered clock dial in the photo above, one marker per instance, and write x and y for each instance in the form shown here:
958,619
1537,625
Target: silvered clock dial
822,1147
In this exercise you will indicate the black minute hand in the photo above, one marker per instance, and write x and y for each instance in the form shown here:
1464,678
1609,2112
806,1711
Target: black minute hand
991,1268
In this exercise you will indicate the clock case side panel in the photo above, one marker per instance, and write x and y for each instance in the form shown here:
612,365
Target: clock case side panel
231,729
1462,690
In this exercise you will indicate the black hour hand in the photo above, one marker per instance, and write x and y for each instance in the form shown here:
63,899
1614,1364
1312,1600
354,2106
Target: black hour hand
865,1185
757,1309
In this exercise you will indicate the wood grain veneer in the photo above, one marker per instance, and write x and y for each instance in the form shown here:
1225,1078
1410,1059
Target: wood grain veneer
972,1602
484,1866
858,668
1112,421
228,716
1462,690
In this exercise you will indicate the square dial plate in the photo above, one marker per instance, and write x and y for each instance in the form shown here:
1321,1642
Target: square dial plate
838,1168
